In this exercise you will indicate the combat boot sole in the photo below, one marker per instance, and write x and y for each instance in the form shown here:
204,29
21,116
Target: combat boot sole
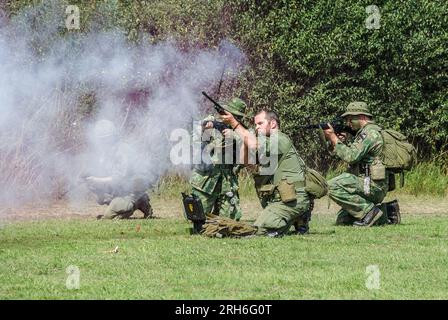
377,213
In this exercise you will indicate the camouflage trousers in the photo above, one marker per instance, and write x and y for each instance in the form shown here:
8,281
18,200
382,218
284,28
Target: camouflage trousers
222,204
124,207
347,190
279,217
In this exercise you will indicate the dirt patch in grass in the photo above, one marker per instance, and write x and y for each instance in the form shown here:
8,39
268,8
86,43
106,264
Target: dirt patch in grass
172,208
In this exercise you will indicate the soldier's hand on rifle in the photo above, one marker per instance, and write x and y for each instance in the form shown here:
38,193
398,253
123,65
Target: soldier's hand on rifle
229,119
208,125
342,136
330,135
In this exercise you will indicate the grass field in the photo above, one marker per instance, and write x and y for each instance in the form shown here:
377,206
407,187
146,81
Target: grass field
158,259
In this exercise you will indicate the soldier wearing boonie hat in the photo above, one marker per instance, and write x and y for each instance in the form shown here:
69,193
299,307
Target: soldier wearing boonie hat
361,190
216,184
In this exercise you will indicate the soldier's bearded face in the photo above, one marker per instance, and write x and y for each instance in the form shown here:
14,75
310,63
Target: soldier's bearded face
262,125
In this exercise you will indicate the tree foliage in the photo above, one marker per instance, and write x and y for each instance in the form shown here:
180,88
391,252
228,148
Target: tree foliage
308,59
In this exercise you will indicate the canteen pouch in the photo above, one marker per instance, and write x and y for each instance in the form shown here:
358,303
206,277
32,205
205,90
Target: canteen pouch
266,190
287,191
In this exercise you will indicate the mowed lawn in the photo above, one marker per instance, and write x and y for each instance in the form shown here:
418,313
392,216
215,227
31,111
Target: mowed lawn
158,259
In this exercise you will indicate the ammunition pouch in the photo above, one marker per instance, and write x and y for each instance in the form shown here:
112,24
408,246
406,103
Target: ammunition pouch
266,190
287,191
377,170
284,191
194,211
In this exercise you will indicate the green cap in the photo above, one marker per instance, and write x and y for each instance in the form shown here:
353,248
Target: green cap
236,106
357,108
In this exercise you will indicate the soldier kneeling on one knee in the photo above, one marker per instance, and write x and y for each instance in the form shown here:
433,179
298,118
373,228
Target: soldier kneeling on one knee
361,191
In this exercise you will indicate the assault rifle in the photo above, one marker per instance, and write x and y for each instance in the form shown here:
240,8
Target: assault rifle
220,126
338,125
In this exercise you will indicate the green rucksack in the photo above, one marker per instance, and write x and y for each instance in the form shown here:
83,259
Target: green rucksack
315,183
398,153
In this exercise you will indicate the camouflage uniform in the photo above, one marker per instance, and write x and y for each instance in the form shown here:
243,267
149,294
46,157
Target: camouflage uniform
277,217
216,184
126,192
352,190
217,189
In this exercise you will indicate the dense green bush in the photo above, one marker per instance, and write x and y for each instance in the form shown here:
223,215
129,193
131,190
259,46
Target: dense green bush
311,58
308,59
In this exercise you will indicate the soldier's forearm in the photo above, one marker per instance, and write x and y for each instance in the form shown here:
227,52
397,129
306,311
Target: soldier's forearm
351,155
248,138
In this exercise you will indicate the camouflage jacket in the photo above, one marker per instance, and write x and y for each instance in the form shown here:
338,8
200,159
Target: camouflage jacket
365,148
222,171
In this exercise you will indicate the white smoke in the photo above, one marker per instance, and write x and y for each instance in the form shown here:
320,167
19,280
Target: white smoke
46,76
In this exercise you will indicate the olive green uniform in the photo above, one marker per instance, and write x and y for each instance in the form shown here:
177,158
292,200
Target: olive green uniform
355,191
278,216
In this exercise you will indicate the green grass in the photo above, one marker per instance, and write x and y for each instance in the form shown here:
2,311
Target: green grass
162,261
427,178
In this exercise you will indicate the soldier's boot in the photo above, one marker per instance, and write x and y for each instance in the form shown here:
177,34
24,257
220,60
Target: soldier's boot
304,227
145,206
393,212
147,211
370,218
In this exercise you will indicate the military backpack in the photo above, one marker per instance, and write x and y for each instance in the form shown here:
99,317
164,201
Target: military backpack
398,153
315,183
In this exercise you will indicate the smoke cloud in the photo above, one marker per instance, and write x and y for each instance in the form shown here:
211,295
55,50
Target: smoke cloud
54,86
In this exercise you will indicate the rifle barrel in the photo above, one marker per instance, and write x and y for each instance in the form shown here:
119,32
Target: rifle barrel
218,107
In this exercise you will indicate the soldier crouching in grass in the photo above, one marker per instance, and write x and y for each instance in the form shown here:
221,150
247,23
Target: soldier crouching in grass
360,191
112,180
280,175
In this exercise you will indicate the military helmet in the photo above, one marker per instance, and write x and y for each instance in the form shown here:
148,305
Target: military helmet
236,106
357,108
104,129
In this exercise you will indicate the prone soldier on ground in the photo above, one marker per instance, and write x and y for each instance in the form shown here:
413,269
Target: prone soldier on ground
113,181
